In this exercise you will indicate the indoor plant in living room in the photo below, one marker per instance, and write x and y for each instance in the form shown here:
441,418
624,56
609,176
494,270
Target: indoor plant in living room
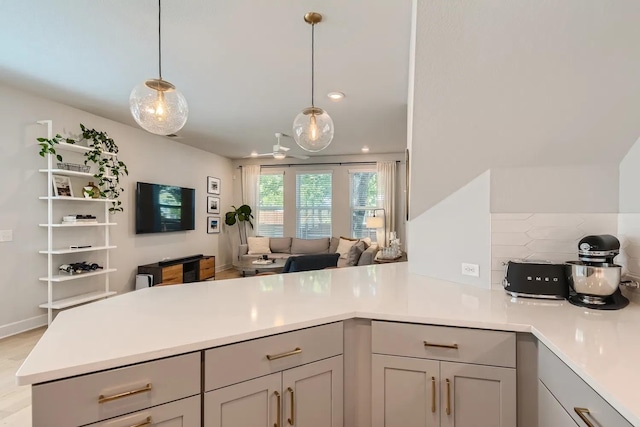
240,215
109,168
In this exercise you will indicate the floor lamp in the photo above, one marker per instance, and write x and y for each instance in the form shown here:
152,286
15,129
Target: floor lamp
378,222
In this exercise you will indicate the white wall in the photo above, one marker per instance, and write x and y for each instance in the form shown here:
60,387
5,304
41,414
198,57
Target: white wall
454,231
149,158
528,83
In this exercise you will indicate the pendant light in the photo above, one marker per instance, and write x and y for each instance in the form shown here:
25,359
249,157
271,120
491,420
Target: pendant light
156,105
313,127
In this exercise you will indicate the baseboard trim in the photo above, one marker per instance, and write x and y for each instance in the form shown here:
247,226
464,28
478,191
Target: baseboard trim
224,267
22,326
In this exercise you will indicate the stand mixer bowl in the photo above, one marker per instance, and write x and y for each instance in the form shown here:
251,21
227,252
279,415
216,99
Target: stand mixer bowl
600,281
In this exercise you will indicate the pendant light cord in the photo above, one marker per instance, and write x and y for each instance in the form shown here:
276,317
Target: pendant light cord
313,26
159,39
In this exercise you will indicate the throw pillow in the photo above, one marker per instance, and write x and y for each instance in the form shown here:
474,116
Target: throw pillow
344,245
258,245
355,252
367,242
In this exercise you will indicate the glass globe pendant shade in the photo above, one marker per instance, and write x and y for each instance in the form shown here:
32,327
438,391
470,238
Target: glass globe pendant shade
313,129
158,107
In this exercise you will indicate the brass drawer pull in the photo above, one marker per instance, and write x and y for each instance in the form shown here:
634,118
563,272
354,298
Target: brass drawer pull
430,344
145,423
297,350
278,405
581,413
290,420
102,398
433,394
448,410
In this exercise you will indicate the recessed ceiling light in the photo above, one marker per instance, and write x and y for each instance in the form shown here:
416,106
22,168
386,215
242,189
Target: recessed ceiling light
335,96
365,149
254,153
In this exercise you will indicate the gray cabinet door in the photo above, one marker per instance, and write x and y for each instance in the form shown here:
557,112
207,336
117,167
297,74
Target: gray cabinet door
550,411
405,392
477,396
181,413
251,403
313,394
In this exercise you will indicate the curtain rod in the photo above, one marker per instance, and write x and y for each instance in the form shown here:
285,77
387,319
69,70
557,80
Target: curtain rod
288,165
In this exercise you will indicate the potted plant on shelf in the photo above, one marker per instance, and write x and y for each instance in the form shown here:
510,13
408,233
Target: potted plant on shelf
109,168
241,215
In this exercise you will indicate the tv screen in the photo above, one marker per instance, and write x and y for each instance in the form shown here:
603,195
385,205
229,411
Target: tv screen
163,208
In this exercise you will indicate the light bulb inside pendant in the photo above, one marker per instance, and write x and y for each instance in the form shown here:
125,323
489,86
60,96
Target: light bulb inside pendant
158,107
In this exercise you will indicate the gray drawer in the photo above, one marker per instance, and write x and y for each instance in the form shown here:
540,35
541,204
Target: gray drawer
572,392
240,362
183,413
495,348
76,401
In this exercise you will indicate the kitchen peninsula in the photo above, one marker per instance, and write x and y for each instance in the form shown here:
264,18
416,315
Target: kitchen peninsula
154,325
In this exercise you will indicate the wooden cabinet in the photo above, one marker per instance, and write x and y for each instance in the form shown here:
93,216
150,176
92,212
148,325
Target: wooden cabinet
307,396
578,399
418,377
405,392
103,395
183,270
313,394
253,403
477,396
181,413
550,411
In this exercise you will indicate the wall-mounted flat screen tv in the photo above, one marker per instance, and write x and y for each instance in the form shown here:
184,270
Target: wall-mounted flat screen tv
164,208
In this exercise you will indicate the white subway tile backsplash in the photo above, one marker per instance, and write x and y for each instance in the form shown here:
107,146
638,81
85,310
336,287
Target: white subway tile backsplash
510,238
559,233
550,237
545,245
509,226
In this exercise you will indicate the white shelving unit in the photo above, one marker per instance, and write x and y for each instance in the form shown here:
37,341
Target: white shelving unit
53,277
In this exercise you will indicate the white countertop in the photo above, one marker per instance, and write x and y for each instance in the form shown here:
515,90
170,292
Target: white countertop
600,346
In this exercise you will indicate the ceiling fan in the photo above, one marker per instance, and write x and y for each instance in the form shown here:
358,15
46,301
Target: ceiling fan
279,151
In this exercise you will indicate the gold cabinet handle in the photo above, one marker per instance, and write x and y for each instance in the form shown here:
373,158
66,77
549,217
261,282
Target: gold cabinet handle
290,420
146,422
448,410
102,398
430,344
433,394
297,350
581,413
278,405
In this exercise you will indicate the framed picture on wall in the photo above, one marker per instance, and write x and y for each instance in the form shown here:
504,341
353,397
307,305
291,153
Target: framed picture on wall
213,185
213,205
62,186
213,224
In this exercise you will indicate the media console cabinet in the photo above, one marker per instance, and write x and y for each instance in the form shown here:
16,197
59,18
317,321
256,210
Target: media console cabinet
193,268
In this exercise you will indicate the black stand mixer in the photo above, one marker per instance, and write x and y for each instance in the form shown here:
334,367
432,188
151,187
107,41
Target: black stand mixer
595,280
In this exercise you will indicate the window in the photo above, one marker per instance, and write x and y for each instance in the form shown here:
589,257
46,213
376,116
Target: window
271,205
364,193
313,205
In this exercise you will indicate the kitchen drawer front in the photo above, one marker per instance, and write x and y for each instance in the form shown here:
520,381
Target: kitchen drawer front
74,401
572,392
234,363
477,346
171,274
181,413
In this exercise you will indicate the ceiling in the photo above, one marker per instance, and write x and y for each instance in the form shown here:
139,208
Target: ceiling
243,65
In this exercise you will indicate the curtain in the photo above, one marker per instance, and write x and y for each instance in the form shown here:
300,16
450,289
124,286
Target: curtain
387,195
251,192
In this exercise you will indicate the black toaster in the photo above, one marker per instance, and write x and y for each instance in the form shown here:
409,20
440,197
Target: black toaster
536,279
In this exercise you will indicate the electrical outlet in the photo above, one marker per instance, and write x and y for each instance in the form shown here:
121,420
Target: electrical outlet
6,235
470,270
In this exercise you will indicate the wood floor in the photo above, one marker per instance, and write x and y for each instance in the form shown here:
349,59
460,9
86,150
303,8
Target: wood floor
15,401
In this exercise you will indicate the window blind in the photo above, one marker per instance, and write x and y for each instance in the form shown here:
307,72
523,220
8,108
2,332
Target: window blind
363,196
271,201
313,205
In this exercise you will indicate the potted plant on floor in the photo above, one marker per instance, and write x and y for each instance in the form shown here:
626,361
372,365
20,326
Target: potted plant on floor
241,216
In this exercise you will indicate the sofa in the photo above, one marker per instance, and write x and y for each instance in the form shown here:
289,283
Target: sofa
284,247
